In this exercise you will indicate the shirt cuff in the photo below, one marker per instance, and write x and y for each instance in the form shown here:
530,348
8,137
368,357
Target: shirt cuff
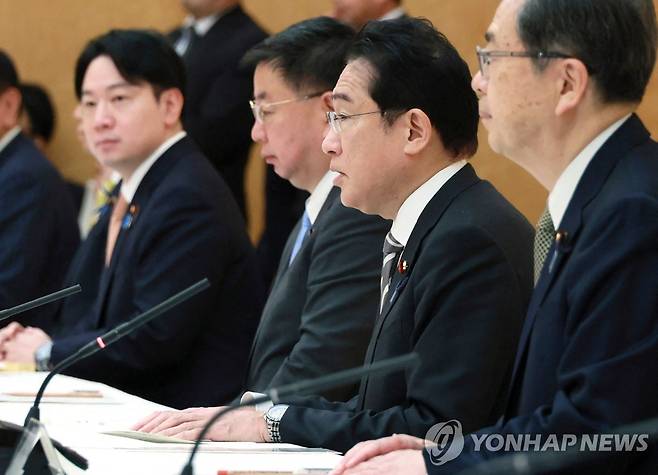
250,396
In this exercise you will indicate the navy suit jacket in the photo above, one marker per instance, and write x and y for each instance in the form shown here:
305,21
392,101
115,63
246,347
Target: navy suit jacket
183,225
322,309
216,112
459,305
588,356
38,231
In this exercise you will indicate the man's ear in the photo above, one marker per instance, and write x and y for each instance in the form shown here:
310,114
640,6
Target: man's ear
572,83
171,104
417,128
10,105
327,102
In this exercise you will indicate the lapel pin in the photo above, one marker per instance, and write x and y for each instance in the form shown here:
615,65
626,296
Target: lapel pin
403,266
130,216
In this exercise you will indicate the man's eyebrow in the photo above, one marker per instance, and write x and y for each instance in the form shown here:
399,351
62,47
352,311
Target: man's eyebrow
341,97
260,95
111,87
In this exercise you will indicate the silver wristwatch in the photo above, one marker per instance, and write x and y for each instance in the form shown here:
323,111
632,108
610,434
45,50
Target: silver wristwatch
273,418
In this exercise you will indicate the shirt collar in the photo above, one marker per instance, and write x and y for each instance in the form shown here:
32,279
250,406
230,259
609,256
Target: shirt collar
413,206
393,14
315,202
8,137
129,186
202,25
565,186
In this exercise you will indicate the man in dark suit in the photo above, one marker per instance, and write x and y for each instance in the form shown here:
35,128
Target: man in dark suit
586,362
216,114
214,37
456,275
171,223
322,308
38,229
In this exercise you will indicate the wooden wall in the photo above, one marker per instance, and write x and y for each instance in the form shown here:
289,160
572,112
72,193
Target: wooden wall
44,38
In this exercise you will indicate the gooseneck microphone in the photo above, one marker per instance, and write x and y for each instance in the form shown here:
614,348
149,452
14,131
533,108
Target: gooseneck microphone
307,386
60,294
113,335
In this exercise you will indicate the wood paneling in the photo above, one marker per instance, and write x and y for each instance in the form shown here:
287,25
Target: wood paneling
44,38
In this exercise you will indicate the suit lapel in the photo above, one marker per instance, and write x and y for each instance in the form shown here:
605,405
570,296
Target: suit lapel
631,133
463,179
148,184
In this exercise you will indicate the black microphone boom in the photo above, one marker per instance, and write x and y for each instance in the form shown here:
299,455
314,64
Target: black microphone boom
60,294
307,387
113,335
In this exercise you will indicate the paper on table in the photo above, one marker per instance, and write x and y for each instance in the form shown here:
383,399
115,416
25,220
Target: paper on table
215,446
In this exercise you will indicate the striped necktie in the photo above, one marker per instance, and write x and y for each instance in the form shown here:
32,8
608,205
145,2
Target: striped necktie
543,240
391,250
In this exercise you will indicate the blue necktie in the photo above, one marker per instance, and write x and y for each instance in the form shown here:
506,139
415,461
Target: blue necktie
301,236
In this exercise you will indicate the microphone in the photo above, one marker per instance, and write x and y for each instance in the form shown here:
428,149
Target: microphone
60,294
305,387
113,335
571,458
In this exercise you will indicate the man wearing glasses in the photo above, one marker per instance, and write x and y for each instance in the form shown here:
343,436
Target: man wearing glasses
558,97
456,272
323,305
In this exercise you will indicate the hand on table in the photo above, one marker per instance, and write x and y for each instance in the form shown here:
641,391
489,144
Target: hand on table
240,425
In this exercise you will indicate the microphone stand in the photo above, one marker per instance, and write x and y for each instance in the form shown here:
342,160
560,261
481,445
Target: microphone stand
60,294
113,335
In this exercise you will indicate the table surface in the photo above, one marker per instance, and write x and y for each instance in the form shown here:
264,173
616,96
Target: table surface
79,421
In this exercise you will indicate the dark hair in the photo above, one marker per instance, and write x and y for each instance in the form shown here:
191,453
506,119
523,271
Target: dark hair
615,39
39,109
139,56
8,74
309,54
415,66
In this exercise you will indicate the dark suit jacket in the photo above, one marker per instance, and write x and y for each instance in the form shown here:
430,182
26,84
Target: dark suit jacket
459,305
587,358
321,311
38,231
216,113
184,226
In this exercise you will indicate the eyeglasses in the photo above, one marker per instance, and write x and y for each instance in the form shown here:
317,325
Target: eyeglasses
262,110
335,120
484,57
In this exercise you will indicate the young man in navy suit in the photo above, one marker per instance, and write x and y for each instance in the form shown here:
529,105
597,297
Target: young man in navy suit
455,274
559,97
172,222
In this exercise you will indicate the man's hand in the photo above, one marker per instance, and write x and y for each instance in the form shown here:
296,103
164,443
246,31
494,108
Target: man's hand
22,345
396,454
240,425
7,334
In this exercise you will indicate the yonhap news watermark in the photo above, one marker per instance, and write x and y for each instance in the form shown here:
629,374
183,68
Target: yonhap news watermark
445,442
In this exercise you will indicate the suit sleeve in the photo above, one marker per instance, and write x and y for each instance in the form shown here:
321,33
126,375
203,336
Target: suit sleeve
24,242
341,303
466,303
607,375
185,242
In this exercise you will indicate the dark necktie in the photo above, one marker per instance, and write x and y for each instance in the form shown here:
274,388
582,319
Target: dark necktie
391,250
186,41
543,240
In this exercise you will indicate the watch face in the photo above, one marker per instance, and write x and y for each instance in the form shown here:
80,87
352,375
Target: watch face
276,412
